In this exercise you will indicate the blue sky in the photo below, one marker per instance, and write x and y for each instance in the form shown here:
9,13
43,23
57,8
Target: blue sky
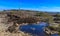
9,4
40,5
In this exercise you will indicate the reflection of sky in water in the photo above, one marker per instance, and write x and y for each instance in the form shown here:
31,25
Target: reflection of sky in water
54,35
36,29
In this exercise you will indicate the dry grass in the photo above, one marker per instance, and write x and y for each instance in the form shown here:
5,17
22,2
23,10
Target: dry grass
14,34
4,26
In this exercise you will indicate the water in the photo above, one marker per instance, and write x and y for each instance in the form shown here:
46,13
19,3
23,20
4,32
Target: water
54,34
35,29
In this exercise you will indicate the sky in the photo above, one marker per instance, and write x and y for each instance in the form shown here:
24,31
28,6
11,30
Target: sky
9,4
40,5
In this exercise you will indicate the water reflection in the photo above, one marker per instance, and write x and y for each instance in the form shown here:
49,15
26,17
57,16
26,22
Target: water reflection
35,29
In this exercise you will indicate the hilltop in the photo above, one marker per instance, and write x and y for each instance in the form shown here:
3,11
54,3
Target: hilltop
13,18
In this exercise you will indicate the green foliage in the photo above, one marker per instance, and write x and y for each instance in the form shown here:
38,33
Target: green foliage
52,28
39,14
12,12
58,15
59,32
45,16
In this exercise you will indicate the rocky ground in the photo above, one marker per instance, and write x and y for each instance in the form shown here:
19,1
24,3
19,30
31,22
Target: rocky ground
4,26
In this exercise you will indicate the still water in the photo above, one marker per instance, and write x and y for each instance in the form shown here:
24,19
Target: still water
35,29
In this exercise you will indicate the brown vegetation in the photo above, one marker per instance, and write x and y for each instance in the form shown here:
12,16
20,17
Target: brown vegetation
19,20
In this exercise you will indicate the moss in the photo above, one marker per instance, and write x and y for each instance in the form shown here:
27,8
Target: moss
52,28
